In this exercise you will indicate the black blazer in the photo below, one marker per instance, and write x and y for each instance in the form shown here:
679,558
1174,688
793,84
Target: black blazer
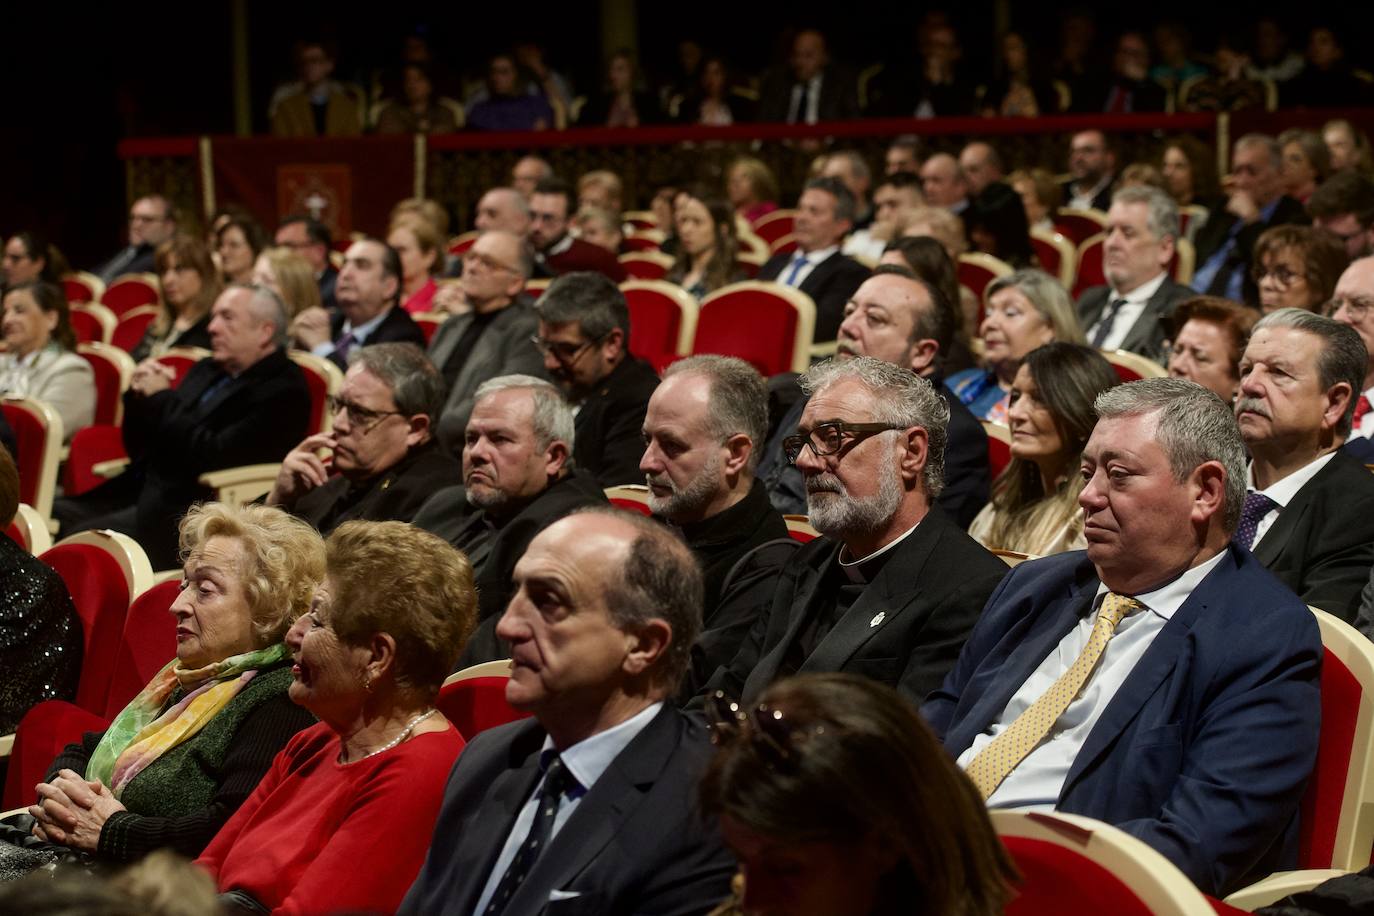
906,629
839,99
636,842
608,438
1213,234
328,281
396,494
1102,200
830,284
1150,330
1322,545
396,327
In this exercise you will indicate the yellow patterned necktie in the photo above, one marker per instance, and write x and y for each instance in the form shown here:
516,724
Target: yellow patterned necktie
1005,752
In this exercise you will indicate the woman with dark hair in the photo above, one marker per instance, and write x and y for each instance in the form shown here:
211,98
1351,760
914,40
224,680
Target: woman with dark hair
712,103
1034,507
621,104
1297,267
1040,196
41,360
419,111
1306,162
1190,172
29,256
927,258
705,226
997,225
836,798
238,243
1209,339
190,286
1022,90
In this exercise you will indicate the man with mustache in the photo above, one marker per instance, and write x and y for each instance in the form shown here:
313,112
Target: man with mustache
386,462
700,436
893,589
1309,507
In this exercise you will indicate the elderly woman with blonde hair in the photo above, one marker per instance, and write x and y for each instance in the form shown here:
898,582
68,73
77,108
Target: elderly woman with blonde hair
290,276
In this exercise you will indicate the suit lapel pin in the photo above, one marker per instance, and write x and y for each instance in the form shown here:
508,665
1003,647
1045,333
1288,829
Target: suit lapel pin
877,619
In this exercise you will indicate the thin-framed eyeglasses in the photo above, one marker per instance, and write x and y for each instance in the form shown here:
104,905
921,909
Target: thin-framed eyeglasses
1357,307
566,352
828,438
362,417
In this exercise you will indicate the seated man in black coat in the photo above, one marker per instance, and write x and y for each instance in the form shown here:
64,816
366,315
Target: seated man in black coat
246,403
1353,305
517,479
386,460
894,588
584,331
368,292
701,432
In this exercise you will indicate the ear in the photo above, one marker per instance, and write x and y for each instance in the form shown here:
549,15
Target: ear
1337,400
1208,488
738,449
923,353
916,442
555,457
1167,246
646,645
391,285
613,347
381,650
419,431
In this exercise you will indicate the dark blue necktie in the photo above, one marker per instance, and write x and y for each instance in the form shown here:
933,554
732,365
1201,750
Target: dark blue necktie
1257,506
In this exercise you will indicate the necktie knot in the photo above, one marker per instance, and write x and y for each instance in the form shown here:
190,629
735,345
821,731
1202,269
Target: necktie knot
1256,507
557,779
1116,607
1104,326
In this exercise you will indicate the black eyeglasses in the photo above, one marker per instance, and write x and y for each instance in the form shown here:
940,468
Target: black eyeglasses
357,415
770,730
829,438
564,351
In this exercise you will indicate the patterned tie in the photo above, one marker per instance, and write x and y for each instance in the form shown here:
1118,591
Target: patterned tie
1003,753
557,781
1104,327
1256,507
1361,408
345,344
798,262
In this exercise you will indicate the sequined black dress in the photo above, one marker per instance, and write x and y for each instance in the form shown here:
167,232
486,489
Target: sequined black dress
40,635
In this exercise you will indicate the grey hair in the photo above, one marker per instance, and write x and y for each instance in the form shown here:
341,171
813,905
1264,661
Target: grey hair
1270,145
553,417
266,305
738,402
1193,426
589,298
524,254
1050,299
416,386
900,397
846,207
858,166
515,198
1161,210
1344,357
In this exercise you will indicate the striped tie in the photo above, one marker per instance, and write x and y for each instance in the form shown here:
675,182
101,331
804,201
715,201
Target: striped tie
1005,752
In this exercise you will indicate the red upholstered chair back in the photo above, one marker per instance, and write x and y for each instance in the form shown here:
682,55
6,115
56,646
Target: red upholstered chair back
461,243
775,225
1055,881
181,359
15,533
783,244
976,273
133,324
477,704
632,497
89,447
1090,271
78,290
86,326
1078,225
113,369
101,596
148,644
31,452
1047,254
646,265
41,735
639,242
663,319
129,292
765,324
799,529
322,379
999,447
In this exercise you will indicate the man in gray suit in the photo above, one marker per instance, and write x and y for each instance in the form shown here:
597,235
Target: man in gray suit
493,337
1131,312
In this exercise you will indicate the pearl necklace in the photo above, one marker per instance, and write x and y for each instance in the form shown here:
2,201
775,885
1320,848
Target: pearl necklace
405,733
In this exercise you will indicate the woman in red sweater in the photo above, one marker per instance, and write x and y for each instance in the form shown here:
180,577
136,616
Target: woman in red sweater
342,820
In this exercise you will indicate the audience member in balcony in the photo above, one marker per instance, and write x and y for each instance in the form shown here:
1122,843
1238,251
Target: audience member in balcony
810,88
1092,171
185,753
1128,88
1353,305
945,185
894,200
40,642
1079,63
1034,507
934,84
683,76
1254,202
751,187
601,188
1131,312
1190,175
527,172
238,243
246,403
1306,163
29,257
1297,267
556,250
316,106
40,359
707,246
927,259
310,239
557,88
1176,64
1326,79
1309,515
1208,339
342,820
1025,310
1021,90
386,460
819,791
825,213
623,102
1343,206
903,155
715,103
1274,60
996,225
850,167
419,111
152,221
1040,196
506,105
1232,87
600,227
190,285
289,276
1348,147
420,249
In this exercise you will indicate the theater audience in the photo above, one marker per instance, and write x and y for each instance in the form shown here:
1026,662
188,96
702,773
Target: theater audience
316,105
850,167
945,185
152,221
238,242
752,189
40,633
1039,194
1208,339
342,819
1309,507
836,798
184,754
622,102
1297,267
40,359
903,155
290,276
420,247
1347,146
1034,507
1190,174
310,239
1025,309
1326,79
1092,171
1306,162
707,246
505,209
385,459
29,257
996,225
556,250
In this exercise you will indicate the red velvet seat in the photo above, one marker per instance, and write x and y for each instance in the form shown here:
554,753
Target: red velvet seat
772,226
1058,256
131,291
82,287
976,273
40,735
474,699
799,529
767,325
323,379
999,447
632,497
663,319
1132,367
1090,271
132,325
461,243
181,359
646,265
91,322
38,449
89,447
1078,225
639,242
113,370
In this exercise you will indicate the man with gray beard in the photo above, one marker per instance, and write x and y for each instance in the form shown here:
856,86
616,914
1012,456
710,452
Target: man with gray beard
703,430
894,587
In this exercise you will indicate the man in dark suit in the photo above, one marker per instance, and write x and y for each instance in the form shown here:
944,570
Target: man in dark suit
1133,311
1163,682
369,296
1309,513
1092,171
899,318
492,335
556,252
894,587
1255,201
386,462
1352,305
152,221
246,403
517,479
310,239
825,214
589,807
811,89
584,332
1128,88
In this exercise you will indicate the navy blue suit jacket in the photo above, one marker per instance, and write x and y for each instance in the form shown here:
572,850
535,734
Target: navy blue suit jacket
1205,751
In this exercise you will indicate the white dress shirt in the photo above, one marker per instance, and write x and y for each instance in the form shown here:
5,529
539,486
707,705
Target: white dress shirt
1038,781
812,95
1083,200
1282,492
812,259
1129,314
